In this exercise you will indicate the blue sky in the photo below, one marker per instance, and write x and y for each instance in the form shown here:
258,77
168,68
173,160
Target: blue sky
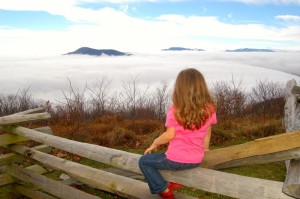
53,27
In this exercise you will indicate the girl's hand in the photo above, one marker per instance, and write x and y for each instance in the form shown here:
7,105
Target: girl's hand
150,149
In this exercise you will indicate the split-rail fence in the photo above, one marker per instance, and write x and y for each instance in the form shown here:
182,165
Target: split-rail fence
29,180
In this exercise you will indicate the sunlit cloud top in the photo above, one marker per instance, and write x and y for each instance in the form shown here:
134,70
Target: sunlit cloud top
53,27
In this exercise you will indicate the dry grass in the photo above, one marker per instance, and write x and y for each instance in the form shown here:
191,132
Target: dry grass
115,131
121,137
110,131
245,129
143,127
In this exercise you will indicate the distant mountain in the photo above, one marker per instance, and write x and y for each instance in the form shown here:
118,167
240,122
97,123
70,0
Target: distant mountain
250,50
182,49
96,52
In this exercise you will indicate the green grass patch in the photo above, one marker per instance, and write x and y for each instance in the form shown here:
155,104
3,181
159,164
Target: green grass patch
271,171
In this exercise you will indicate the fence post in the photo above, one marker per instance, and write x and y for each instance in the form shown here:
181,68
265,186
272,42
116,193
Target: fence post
291,186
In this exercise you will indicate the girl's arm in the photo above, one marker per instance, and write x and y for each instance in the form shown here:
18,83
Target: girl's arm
164,138
207,139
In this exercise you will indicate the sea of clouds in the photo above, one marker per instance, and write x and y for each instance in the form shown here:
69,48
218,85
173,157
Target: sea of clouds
47,78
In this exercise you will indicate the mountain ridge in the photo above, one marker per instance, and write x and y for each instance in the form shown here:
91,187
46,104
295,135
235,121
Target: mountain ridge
182,49
97,52
250,50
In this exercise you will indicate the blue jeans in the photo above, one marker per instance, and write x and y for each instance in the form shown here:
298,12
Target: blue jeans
151,163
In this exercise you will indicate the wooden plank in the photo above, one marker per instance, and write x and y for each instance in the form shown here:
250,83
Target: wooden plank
114,157
291,184
127,161
36,110
200,178
9,138
257,147
13,157
291,109
19,119
261,159
45,129
31,192
295,90
8,179
30,111
110,182
53,187
232,185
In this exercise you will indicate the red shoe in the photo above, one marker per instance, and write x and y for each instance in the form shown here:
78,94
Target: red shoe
167,195
174,186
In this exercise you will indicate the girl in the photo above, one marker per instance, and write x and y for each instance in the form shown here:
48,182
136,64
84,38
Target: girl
188,132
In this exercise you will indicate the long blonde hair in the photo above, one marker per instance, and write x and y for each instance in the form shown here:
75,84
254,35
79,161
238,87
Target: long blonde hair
192,99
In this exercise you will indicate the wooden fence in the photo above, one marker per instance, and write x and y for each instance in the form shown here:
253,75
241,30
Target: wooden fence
283,147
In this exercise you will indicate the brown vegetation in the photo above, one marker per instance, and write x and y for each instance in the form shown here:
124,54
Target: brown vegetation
135,116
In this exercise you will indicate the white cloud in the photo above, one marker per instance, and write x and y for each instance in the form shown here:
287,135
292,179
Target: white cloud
277,2
126,33
289,18
213,27
111,28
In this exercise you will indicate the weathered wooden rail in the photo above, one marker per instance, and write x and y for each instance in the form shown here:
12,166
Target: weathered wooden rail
292,123
281,147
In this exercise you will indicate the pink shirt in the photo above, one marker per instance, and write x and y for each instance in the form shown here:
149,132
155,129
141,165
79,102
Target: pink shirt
187,145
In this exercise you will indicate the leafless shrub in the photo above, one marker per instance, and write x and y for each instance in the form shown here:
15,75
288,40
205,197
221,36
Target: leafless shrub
21,101
114,104
100,99
267,98
161,100
135,101
73,109
8,104
25,100
133,97
231,98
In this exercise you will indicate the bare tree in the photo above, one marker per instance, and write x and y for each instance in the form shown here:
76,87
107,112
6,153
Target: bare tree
100,96
113,104
161,100
25,100
74,107
133,96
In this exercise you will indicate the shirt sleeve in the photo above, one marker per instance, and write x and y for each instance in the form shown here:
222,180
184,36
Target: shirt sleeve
213,118
170,118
